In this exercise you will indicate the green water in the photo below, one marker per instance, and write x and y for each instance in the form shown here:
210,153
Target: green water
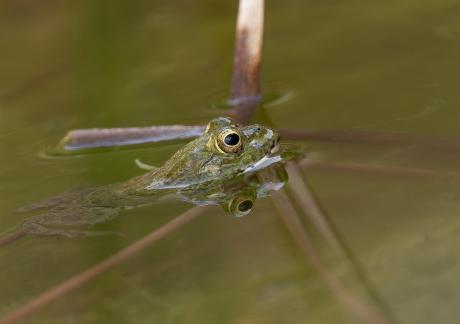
365,65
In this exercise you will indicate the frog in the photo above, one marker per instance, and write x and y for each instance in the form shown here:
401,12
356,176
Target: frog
216,168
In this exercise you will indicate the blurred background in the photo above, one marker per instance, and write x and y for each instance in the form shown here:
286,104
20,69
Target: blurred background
390,66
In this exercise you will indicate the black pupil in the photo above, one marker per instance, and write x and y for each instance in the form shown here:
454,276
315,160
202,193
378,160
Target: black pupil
232,139
245,206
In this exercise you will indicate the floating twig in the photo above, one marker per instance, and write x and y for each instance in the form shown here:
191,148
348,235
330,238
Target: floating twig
109,137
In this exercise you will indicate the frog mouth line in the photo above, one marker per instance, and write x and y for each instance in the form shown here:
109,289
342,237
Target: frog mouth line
264,162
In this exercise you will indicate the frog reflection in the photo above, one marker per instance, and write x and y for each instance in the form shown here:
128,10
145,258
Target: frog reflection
216,168
238,195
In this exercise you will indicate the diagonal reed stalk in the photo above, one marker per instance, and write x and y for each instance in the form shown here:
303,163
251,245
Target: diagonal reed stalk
316,215
69,285
360,308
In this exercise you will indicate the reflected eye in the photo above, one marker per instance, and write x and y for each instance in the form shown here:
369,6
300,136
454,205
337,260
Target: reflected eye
245,206
229,141
240,206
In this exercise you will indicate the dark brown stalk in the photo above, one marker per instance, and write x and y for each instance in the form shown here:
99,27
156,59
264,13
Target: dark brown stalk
82,278
245,89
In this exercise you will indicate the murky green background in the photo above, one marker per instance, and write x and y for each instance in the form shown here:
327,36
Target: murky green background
391,65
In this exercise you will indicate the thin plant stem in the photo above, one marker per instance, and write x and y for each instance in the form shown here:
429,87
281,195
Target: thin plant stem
360,308
82,278
312,209
248,50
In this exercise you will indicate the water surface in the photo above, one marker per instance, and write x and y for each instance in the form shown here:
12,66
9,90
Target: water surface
379,66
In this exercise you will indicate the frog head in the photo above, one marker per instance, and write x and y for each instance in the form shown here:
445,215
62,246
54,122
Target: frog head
223,151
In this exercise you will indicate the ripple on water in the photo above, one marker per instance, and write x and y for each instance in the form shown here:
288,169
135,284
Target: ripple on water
272,96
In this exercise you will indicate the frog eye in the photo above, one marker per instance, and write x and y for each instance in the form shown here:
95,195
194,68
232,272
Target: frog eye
230,141
245,206
240,206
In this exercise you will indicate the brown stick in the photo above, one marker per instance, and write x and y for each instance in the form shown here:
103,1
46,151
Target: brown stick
80,279
248,50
